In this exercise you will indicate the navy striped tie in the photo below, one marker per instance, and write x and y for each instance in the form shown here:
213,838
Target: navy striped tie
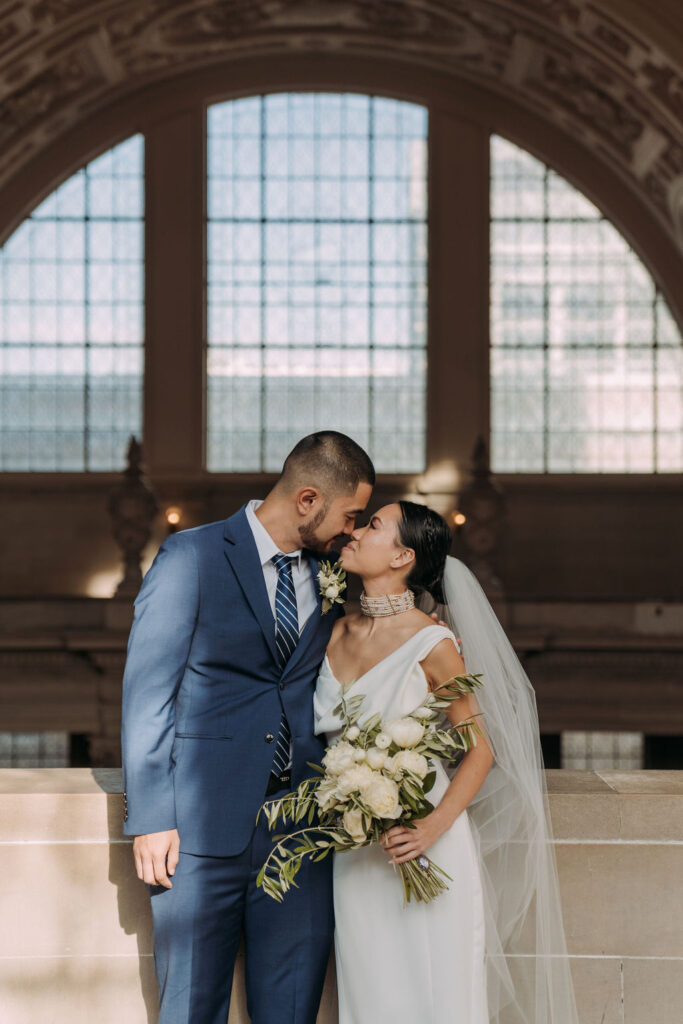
286,639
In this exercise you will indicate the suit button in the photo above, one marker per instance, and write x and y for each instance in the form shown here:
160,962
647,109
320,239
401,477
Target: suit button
269,737
282,686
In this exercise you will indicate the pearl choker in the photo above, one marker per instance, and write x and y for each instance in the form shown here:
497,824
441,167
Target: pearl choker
388,604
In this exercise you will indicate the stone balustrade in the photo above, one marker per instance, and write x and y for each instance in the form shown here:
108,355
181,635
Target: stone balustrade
76,943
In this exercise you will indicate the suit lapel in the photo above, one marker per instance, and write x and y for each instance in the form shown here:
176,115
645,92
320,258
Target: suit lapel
241,552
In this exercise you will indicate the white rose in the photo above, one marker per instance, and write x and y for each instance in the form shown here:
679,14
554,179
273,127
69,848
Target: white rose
375,757
354,824
423,712
354,779
411,761
382,740
325,795
332,591
405,732
381,796
352,733
359,755
338,758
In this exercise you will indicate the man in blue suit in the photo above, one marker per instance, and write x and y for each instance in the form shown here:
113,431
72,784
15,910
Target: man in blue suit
223,656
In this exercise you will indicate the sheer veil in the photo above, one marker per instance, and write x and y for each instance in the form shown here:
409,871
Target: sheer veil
528,976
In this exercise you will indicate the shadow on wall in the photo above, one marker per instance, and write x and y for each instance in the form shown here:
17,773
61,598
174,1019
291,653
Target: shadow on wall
135,917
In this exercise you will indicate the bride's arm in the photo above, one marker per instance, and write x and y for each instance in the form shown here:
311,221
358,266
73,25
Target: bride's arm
442,663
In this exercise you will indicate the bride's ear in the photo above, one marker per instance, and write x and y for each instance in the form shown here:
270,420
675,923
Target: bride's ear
403,558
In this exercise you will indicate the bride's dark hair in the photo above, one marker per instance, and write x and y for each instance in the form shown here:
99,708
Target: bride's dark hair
428,534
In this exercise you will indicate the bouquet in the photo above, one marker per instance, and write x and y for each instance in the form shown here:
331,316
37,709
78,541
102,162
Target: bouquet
377,775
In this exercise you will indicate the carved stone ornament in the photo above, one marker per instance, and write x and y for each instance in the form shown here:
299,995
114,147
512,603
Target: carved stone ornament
570,61
483,504
132,507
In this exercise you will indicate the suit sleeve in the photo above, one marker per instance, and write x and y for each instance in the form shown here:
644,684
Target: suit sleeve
158,648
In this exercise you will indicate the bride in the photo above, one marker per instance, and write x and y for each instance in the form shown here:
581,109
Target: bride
465,957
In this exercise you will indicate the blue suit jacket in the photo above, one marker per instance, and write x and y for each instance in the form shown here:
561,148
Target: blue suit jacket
203,695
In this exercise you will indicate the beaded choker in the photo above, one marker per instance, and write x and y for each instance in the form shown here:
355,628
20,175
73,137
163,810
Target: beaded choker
388,604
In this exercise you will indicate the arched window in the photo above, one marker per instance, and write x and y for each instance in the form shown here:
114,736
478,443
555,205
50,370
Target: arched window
586,360
316,277
72,321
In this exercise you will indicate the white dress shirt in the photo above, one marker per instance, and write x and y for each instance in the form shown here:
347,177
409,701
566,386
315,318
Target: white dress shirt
302,577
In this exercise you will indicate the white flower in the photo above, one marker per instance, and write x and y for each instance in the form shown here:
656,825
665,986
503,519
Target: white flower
354,779
382,740
331,584
352,733
354,824
405,732
338,758
409,760
325,795
381,797
423,712
375,757
359,755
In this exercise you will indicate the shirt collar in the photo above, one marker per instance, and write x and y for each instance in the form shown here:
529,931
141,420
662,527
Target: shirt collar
265,544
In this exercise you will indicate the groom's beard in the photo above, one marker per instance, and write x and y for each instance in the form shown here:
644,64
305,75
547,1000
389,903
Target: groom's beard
309,538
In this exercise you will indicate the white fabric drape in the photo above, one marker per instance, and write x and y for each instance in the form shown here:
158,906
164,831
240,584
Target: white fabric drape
528,975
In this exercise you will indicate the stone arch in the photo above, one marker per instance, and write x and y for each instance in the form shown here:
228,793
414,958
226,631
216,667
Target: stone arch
598,75
603,178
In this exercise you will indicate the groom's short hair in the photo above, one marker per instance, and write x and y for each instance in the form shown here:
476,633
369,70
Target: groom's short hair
330,461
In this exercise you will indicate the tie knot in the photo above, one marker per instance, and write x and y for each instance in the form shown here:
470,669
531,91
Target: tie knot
282,562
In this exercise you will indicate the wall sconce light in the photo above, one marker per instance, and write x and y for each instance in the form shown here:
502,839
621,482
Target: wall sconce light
173,517
458,518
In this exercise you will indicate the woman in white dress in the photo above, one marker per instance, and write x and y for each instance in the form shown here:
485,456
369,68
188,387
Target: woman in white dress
446,961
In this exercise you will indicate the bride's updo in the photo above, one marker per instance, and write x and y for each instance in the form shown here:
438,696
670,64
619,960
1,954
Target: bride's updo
428,534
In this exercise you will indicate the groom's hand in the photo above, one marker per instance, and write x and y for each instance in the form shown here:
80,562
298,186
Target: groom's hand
440,622
156,856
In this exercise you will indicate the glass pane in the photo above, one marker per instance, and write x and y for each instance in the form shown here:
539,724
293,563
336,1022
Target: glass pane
602,751
316,277
586,360
72,321
34,750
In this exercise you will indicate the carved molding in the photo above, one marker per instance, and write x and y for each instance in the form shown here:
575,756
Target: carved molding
569,61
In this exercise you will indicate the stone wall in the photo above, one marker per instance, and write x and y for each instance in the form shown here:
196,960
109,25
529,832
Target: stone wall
76,937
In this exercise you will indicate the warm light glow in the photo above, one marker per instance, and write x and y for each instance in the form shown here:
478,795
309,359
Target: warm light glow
441,478
173,515
458,518
103,584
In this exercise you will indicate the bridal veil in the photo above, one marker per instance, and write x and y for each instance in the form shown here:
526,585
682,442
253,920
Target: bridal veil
528,976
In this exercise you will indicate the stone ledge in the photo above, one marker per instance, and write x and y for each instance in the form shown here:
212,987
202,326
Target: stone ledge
67,805
79,947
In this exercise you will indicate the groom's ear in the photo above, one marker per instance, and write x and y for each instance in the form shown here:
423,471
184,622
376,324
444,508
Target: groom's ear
307,500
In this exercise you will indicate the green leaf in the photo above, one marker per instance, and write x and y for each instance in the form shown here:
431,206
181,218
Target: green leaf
429,781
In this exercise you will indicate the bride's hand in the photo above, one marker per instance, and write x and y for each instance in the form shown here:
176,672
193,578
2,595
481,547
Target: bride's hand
407,843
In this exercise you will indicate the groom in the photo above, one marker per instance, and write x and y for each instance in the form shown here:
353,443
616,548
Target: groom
223,656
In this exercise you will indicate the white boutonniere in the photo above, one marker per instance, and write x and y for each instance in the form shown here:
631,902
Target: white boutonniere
331,583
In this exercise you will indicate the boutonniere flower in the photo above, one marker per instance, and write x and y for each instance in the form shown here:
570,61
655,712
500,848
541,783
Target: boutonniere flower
331,583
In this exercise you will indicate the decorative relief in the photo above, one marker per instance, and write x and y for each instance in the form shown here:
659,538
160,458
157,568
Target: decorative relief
569,61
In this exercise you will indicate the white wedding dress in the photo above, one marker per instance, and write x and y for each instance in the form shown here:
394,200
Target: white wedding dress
422,962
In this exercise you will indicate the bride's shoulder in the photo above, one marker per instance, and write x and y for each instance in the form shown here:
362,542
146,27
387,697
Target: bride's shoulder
421,619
